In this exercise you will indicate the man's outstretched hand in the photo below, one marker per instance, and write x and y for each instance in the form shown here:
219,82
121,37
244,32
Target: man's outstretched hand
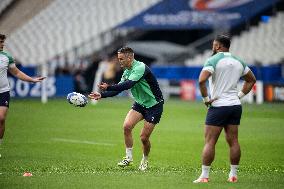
38,79
95,96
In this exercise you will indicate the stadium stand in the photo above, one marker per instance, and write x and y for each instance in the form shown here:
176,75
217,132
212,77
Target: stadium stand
4,4
262,44
69,41
71,29
17,13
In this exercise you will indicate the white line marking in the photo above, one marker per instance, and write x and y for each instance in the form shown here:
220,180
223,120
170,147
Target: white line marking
82,142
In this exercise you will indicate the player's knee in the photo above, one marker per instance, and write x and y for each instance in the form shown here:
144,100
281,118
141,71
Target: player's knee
127,127
2,121
210,141
232,142
144,139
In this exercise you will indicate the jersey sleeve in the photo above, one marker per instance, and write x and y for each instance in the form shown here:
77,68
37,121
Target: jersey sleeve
208,66
11,59
125,85
137,73
11,65
246,70
107,94
123,78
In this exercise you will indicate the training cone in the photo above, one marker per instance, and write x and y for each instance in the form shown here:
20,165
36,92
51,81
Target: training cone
27,174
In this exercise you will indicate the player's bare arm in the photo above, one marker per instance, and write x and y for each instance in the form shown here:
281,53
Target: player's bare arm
203,77
22,76
248,84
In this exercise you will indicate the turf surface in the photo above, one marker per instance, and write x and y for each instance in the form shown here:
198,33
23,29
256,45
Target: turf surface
68,147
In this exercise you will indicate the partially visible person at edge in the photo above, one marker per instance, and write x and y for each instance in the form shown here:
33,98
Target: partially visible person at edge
7,64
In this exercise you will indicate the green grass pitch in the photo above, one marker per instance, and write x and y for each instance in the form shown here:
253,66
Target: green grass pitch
68,147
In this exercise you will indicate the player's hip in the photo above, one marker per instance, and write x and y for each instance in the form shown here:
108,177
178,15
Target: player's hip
224,115
231,101
152,114
5,99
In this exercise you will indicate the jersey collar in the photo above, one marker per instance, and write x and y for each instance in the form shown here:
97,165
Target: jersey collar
134,62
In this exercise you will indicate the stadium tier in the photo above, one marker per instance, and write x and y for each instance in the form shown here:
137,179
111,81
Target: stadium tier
262,44
4,4
70,28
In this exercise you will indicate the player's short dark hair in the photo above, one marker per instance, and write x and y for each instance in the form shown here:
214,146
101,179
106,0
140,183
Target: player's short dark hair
125,50
2,36
225,40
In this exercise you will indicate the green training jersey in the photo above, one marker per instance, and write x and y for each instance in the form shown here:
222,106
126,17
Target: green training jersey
146,91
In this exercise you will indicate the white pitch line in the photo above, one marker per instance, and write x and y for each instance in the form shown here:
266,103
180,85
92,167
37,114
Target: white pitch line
82,142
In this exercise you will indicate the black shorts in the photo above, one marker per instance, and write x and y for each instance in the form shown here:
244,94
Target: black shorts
5,99
152,114
224,115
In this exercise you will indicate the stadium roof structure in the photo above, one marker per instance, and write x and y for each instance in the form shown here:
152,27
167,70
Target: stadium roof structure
160,50
197,14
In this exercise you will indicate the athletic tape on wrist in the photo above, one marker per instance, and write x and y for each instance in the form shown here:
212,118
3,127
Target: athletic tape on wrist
241,94
206,99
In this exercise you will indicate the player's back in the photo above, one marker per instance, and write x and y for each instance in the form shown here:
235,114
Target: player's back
223,84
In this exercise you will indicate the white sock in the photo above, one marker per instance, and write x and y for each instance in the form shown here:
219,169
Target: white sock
144,157
205,171
129,153
234,170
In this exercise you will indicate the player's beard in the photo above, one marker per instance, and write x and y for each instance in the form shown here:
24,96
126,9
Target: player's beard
213,53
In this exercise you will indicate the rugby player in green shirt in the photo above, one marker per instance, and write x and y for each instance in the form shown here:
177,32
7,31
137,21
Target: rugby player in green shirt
148,105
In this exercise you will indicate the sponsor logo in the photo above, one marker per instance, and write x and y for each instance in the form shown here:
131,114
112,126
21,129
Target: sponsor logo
279,93
215,4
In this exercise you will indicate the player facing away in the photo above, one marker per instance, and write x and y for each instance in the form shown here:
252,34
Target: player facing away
223,70
148,105
7,64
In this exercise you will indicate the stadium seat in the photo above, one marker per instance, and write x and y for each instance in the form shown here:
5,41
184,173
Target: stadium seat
65,25
255,45
4,4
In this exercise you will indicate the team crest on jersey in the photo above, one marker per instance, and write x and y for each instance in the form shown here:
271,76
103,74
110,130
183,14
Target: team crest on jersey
6,103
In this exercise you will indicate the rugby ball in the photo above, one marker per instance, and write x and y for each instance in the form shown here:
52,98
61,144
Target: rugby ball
77,99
